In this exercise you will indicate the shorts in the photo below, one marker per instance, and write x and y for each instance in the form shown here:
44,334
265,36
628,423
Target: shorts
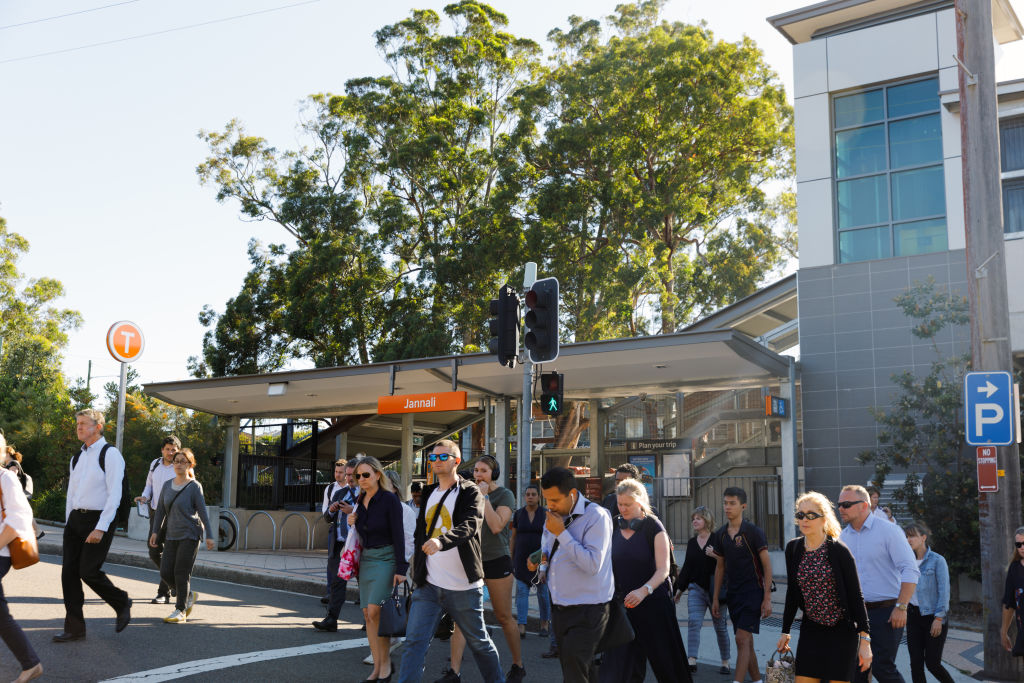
745,610
498,568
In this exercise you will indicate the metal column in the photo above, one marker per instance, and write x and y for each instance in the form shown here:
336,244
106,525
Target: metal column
407,452
229,480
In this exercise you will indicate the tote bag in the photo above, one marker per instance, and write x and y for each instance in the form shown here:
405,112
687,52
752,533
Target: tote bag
394,613
348,565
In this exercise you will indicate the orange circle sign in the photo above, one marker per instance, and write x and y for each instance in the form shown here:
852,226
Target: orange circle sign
125,341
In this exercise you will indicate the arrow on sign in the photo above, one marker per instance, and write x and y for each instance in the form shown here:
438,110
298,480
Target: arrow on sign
988,389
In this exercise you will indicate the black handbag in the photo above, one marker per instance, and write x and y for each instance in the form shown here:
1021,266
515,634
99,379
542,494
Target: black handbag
394,613
618,631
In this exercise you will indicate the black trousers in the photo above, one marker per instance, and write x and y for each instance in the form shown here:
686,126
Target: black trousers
10,631
336,586
84,562
155,553
578,628
176,566
885,641
657,641
924,649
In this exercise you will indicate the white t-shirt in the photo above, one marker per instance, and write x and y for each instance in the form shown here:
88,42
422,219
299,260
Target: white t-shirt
444,569
913,598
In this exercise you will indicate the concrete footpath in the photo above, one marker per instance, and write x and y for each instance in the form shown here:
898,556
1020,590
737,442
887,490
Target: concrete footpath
302,571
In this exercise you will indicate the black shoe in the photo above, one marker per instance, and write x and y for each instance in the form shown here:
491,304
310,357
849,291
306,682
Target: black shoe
449,676
693,668
41,534
516,674
325,600
551,654
123,617
326,625
725,670
363,627
65,637
161,599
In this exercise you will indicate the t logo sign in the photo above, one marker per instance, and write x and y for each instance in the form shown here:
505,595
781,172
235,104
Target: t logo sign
125,341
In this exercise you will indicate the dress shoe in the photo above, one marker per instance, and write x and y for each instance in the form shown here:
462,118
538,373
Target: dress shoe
65,637
30,674
326,625
551,654
123,617
325,600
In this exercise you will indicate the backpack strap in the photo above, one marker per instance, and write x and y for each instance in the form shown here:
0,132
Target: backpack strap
155,464
103,456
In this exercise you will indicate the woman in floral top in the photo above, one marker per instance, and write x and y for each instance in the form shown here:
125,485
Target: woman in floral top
834,631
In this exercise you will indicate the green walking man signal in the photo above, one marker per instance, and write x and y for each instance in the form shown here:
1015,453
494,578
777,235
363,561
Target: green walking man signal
551,401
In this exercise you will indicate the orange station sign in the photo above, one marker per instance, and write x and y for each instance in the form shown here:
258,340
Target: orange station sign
421,403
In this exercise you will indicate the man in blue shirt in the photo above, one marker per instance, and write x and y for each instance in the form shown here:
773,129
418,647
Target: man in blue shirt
576,546
888,576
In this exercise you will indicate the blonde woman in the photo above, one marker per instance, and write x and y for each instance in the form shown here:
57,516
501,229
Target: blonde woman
696,577
823,583
379,519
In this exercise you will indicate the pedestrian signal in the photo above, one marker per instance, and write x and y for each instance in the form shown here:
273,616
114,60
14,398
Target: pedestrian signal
551,400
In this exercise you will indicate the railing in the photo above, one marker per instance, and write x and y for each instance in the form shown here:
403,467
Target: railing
309,530
273,529
677,498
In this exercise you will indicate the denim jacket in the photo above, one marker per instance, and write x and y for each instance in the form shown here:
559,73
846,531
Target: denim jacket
933,586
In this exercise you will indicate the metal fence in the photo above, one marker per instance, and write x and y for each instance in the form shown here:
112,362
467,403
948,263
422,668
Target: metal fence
676,499
270,480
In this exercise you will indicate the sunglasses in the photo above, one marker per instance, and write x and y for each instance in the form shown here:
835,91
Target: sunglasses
1019,544
364,475
847,504
434,457
808,515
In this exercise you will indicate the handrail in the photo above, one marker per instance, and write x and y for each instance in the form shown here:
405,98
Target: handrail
273,528
309,530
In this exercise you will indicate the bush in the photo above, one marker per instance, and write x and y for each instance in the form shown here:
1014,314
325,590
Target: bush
50,503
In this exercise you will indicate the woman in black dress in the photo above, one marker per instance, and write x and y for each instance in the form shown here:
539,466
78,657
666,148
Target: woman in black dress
1013,596
823,582
640,548
527,528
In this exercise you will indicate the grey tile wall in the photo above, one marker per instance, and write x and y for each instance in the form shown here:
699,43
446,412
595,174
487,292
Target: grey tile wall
853,338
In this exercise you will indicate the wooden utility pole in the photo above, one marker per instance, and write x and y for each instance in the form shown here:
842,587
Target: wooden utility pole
998,513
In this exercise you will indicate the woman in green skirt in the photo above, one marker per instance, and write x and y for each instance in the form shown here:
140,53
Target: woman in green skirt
378,519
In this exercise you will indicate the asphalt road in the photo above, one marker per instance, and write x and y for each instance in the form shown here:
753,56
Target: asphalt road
235,633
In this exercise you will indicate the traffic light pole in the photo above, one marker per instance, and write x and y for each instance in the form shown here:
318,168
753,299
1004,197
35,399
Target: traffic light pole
525,443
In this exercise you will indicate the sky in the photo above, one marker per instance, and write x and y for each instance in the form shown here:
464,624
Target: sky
99,115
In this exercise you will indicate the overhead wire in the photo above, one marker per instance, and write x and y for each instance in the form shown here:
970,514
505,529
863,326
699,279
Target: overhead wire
69,14
158,33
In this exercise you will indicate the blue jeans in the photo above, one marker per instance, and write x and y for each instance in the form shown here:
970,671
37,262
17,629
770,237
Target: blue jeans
698,602
523,601
466,609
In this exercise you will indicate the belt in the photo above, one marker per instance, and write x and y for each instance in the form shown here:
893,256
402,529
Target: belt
880,604
565,607
86,512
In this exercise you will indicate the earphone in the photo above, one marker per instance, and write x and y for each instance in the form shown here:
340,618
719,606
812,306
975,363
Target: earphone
493,464
632,524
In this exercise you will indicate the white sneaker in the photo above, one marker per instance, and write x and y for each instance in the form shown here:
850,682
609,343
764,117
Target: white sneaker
369,659
190,602
177,617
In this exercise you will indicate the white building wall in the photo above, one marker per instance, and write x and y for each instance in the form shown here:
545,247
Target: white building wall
881,53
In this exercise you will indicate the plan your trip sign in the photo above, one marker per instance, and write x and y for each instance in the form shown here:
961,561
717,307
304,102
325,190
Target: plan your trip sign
636,445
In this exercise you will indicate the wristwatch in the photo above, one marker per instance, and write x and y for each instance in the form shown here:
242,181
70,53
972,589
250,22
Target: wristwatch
901,606
865,637
648,587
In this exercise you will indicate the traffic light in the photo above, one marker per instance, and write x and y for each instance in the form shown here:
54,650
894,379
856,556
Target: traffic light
504,326
542,320
551,402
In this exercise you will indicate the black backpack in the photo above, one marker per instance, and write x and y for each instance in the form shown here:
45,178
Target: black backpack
124,507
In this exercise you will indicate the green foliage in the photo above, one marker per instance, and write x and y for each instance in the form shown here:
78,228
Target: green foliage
923,434
51,503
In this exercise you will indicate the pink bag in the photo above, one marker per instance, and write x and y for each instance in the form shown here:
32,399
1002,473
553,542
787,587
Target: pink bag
348,565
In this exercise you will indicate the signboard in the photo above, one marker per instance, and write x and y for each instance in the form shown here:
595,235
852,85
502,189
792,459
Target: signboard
988,408
421,403
633,445
592,488
648,466
988,473
775,406
125,342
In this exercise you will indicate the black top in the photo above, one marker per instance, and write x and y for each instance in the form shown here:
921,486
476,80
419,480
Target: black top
1013,598
741,552
633,562
698,567
528,536
380,525
467,521
844,571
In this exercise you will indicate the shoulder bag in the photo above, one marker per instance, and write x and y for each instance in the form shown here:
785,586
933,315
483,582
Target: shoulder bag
394,613
780,668
161,534
24,551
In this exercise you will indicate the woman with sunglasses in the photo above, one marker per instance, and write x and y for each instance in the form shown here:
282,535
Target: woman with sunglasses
1013,596
182,510
379,519
926,615
696,576
823,583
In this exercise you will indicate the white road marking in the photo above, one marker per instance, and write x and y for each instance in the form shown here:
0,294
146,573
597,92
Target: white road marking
169,673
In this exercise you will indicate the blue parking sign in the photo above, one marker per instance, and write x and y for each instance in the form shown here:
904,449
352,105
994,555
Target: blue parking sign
989,408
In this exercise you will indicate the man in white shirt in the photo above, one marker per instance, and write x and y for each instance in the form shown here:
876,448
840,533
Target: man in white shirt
877,510
339,498
93,496
160,471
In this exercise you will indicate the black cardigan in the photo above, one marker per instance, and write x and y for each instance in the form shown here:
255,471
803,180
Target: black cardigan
467,521
844,571
697,568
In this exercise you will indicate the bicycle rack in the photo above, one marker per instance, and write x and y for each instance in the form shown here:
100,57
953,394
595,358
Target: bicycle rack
309,530
319,519
273,528
238,526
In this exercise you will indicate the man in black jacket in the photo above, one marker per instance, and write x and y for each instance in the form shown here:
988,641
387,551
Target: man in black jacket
448,569
338,501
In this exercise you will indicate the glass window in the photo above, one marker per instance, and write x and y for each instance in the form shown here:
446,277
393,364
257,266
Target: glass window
913,98
1011,144
1013,205
863,201
920,237
864,245
854,110
915,141
860,151
918,193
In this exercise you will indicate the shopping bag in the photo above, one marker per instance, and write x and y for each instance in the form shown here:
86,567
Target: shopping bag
780,668
348,565
394,613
